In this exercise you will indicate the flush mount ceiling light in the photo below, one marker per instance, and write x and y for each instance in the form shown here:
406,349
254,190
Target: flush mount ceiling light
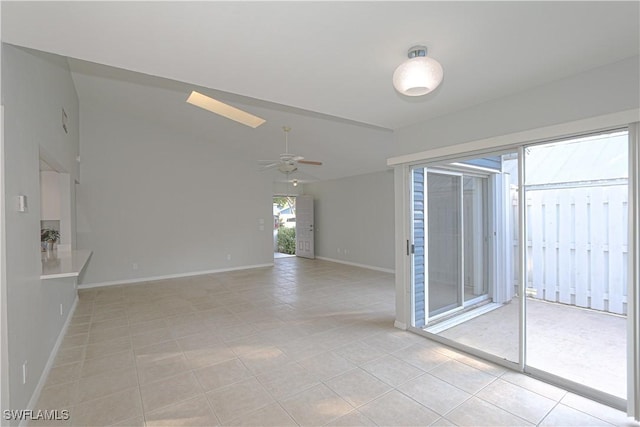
419,74
224,110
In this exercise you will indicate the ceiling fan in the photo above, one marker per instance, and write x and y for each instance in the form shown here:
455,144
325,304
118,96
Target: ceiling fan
288,162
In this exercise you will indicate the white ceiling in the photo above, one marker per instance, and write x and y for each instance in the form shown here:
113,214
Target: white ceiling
331,58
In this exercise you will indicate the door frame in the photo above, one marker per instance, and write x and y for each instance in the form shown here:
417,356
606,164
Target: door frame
489,255
273,223
633,292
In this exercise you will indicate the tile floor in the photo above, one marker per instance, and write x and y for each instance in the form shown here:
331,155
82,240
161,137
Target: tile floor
590,346
307,342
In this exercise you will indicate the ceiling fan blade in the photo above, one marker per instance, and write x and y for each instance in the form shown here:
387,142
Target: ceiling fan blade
310,162
269,165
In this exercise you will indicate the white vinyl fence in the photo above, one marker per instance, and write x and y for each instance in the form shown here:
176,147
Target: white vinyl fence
577,245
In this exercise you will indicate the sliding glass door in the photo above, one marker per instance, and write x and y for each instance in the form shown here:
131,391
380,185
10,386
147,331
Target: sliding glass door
524,257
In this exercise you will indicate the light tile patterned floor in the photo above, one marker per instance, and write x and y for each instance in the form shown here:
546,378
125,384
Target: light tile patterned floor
591,346
304,343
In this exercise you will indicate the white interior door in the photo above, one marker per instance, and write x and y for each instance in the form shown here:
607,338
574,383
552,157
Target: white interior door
304,227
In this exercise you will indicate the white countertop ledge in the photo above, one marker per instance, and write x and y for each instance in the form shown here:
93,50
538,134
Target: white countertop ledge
64,263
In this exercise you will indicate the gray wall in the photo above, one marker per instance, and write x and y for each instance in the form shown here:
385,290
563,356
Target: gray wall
355,215
603,90
166,201
35,89
4,369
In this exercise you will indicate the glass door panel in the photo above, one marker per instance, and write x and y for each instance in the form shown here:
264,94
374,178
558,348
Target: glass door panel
444,222
475,242
464,226
576,258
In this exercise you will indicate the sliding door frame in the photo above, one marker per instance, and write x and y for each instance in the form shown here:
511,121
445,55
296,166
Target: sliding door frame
565,383
403,165
633,292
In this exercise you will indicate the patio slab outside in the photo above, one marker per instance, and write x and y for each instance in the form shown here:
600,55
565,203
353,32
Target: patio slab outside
582,345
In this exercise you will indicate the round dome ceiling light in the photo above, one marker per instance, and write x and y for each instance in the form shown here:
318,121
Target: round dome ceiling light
419,74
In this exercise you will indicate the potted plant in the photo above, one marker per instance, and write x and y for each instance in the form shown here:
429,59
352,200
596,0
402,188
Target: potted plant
49,236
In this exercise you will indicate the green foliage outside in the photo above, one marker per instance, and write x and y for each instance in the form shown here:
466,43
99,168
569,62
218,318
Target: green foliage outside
285,202
287,240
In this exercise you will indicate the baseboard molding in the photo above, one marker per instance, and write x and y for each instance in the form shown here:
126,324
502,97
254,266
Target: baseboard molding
52,357
400,325
171,276
370,267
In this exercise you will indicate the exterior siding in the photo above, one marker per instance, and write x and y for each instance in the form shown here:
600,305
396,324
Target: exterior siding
419,247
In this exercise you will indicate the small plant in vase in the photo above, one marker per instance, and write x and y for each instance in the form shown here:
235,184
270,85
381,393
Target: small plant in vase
49,236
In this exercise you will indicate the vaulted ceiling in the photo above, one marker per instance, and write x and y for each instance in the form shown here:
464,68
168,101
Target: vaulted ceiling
324,61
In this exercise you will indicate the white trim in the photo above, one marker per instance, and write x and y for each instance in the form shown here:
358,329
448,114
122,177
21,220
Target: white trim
591,124
462,318
400,325
633,286
404,281
522,261
52,357
354,264
171,276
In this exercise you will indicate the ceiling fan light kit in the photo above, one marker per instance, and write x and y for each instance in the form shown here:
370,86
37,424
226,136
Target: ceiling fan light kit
224,110
419,74
288,162
287,167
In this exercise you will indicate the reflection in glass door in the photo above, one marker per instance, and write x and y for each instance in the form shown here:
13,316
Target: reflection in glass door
450,260
444,254
475,238
464,261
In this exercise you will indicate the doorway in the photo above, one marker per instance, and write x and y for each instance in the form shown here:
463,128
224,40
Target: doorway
576,194
284,226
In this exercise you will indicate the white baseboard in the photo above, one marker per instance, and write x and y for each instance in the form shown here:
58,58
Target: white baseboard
400,325
170,276
52,357
370,267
